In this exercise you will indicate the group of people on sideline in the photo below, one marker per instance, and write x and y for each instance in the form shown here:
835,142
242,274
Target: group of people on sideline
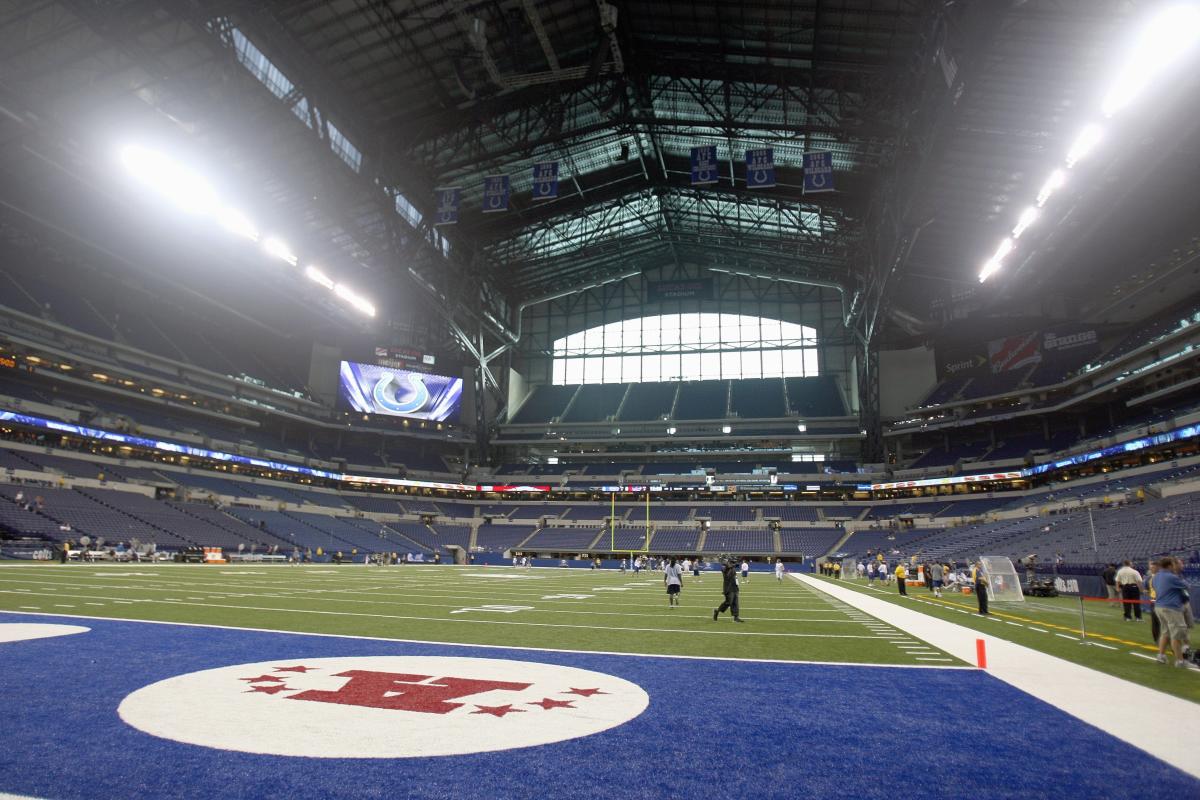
1168,604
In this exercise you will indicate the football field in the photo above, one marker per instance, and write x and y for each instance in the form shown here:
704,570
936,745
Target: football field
433,682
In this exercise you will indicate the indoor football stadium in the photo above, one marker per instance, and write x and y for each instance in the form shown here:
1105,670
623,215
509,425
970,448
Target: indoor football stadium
596,399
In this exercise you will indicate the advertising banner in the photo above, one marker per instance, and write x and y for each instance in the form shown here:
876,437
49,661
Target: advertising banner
372,389
1015,352
955,359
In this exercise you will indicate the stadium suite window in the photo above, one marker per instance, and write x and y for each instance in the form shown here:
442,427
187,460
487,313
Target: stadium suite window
686,347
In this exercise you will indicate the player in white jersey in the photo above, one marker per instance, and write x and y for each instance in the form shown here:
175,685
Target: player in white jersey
778,569
673,578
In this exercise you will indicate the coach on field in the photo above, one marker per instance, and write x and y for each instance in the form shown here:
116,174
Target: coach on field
730,588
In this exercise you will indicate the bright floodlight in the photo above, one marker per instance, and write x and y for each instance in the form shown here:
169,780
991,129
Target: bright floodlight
278,248
1027,218
235,222
802,427
1084,144
185,188
997,261
670,431
989,269
360,303
726,429
317,276
1052,185
1164,40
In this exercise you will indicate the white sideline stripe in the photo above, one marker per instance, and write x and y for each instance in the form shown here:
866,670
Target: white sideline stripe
484,646
1071,687
1105,646
1142,655
1067,636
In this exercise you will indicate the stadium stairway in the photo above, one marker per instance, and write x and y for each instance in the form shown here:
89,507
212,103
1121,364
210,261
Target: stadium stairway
776,542
702,541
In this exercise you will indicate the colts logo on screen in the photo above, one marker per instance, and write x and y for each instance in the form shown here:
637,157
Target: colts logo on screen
383,707
387,394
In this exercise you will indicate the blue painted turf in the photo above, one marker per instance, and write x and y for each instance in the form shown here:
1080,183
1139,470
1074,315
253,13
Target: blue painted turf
713,730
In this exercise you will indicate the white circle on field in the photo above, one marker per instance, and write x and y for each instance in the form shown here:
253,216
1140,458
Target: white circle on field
24,631
383,706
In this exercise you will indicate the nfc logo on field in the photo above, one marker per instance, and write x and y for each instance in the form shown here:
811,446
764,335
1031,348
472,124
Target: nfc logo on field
383,707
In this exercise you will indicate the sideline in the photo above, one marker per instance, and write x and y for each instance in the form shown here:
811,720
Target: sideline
1134,714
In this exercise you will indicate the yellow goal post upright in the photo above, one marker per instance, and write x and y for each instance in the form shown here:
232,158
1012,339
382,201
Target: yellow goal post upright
612,526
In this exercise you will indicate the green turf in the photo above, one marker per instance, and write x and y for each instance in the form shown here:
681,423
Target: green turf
1052,625
615,612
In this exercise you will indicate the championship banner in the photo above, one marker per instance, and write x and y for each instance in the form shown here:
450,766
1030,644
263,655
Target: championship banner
760,168
1015,352
545,180
818,172
447,205
495,193
704,165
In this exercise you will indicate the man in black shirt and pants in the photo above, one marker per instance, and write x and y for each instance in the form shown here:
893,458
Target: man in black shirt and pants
730,588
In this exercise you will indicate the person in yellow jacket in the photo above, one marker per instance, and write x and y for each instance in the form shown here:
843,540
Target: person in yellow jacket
901,576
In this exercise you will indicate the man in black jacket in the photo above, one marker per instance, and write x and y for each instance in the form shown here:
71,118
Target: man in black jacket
1109,575
730,588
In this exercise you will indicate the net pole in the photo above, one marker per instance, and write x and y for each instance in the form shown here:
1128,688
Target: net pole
1082,622
646,546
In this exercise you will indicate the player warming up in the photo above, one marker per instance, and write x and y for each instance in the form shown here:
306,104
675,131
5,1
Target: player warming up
730,588
673,579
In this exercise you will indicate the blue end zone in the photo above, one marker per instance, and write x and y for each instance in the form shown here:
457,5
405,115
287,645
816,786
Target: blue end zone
713,729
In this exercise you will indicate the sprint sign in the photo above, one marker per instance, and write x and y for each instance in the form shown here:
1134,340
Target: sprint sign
383,707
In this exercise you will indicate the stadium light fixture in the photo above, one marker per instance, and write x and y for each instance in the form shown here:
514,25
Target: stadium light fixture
316,276
236,223
185,188
360,303
1053,183
1084,144
726,429
802,428
278,248
1027,218
1167,37
671,431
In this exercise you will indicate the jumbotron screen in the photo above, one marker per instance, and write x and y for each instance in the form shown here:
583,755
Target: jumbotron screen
371,389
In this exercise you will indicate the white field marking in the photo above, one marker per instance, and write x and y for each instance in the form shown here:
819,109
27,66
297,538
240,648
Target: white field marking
710,632
62,605
1017,624
1071,687
1068,636
567,596
93,604
1098,644
396,603
455,596
919,658
25,631
495,609
610,589
1142,655
137,621
30,608
1039,630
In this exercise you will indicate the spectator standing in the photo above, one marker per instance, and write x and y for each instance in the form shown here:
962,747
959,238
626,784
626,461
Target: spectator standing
936,574
979,583
1129,583
1109,575
1170,597
1155,627
901,578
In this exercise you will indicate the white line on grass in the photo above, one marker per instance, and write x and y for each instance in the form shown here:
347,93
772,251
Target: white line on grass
491,646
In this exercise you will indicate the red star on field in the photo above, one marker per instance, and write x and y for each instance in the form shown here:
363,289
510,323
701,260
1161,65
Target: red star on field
498,711
273,689
549,703
294,669
262,679
584,692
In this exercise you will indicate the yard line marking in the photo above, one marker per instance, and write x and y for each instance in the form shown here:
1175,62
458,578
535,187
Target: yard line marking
93,604
1105,646
135,620
31,608
1143,655
1065,636
1039,630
